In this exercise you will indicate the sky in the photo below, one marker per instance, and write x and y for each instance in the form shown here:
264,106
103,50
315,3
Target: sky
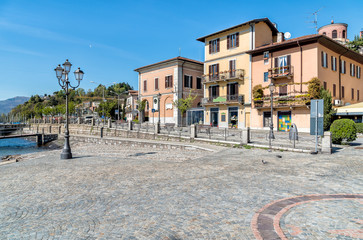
109,39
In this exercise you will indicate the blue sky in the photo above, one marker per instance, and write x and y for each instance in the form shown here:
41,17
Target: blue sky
108,39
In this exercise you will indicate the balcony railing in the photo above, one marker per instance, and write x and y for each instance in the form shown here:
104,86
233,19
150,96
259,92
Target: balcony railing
224,76
290,100
281,72
224,99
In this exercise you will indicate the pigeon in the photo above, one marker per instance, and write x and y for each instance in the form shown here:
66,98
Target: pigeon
278,156
264,162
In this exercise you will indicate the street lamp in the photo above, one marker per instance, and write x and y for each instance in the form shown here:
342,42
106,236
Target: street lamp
159,97
271,86
118,102
63,81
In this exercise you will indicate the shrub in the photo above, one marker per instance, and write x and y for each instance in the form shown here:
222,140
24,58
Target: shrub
359,127
314,88
343,129
257,91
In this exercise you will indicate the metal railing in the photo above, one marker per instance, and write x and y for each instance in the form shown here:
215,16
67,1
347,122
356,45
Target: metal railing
234,98
289,100
280,72
226,75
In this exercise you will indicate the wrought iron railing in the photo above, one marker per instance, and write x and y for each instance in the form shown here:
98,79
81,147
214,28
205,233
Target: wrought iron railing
290,100
280,72
235,98
226,75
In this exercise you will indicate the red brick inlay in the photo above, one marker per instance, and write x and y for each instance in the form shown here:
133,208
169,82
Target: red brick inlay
266,222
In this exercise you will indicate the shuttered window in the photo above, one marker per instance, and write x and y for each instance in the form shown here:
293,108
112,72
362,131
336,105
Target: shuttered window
214,46
352,70
156,83
358,72
233,41
169,81
342,66
188,81
334,90
324,59
343,92
352,93
333,63
199,83
145,85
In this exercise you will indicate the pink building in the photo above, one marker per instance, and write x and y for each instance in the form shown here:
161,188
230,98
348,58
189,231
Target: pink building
173,79
290,65
336,31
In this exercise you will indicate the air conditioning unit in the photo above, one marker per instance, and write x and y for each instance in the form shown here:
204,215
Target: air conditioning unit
338,102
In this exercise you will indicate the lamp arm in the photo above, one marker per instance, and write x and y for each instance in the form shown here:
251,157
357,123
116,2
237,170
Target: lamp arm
61,84
74,88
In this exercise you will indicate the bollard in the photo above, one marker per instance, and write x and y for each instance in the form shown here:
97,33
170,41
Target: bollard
326,145
78,120
157,128
92,122
193,131
50,129
130,125
60,129
109,123
101,132
246,135
225,134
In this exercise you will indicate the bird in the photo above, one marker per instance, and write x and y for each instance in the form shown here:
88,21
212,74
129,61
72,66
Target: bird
264,162
278,156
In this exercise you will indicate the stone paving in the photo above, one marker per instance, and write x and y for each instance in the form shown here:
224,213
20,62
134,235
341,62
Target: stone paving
113,192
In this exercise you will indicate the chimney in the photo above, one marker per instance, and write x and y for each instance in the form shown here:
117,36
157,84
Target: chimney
280,37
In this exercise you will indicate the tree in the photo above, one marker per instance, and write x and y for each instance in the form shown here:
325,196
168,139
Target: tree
142,106
183,104
356,44
328,108
257,92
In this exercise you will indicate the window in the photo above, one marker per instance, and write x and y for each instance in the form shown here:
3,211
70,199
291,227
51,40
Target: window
352,93
334,34
266,119
145,85
232,91
342,66
343,34
213,92
214,46
232,68
334,90
343,92
233,40
265,77
325,85
324,59
188,81
213,71
283,90
156,83
282,64
169,81
352,70
266,55
199,83
324,33
358,72
333,63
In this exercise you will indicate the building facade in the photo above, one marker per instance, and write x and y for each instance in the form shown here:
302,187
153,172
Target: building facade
173,79
131,108
227,72
289,65
336,31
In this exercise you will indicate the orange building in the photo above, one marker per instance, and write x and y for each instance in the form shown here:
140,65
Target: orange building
173,79
290,65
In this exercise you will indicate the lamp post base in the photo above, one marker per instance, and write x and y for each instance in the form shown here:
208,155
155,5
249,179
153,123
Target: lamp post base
66,152
66,155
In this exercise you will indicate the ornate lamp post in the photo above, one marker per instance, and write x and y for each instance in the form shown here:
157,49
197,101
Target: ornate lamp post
159,97
271,135
63,80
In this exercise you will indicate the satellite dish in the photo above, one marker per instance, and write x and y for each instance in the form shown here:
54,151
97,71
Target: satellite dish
287,35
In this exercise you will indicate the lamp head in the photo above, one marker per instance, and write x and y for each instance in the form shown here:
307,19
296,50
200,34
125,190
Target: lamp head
78,74
58,71
67,66
271,86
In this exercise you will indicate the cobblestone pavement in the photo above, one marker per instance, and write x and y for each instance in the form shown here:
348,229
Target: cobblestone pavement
112,192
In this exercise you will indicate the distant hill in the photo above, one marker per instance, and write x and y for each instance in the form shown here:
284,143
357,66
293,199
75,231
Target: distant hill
8,104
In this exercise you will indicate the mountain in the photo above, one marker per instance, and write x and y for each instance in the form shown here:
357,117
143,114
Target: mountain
8,104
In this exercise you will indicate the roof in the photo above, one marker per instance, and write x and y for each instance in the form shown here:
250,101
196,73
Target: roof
308,39
266,20
170,60
133,92
357,107
333,24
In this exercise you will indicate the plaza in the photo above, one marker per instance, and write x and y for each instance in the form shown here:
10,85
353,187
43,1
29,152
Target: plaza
200,192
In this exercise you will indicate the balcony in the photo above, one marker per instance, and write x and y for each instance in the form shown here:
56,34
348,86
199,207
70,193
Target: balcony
281,72
289,100
227,99
237,74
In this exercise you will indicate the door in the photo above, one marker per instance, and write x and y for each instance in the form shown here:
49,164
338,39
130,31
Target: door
233,117
214,117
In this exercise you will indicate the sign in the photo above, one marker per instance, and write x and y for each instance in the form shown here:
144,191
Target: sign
116,111
317,117
103,116
153,110
169,106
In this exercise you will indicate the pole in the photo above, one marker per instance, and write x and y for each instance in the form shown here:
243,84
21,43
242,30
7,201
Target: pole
103,106
66,152
316,128
118,107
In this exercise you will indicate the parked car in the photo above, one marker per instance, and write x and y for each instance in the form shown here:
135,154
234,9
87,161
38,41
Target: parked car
88,119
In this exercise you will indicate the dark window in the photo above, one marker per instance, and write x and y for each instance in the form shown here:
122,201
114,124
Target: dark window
199,83
342,66
334,34
265,76
156,83
233,40
342,91
334,90
352,70
324,33
232,91
232,68
358,72
325,85
343,34
324,59
266,119
214,46
145,85
188,81
214,71
352,93
213,92
169,81
333,63
357,95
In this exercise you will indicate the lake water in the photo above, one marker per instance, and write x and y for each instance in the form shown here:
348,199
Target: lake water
14,146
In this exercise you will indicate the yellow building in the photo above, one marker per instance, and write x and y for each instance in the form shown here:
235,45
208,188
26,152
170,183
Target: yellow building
227,68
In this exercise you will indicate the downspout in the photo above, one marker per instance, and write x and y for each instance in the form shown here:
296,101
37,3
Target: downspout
301,67
340,74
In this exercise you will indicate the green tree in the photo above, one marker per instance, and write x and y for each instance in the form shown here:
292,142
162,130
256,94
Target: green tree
142,106
109,107
356,44
183,104
328,108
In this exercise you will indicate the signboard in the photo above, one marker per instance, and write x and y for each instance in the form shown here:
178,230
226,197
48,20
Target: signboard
103,116
153,110
116,111
317,117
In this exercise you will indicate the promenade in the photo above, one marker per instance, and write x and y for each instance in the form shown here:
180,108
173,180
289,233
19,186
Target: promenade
209,192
